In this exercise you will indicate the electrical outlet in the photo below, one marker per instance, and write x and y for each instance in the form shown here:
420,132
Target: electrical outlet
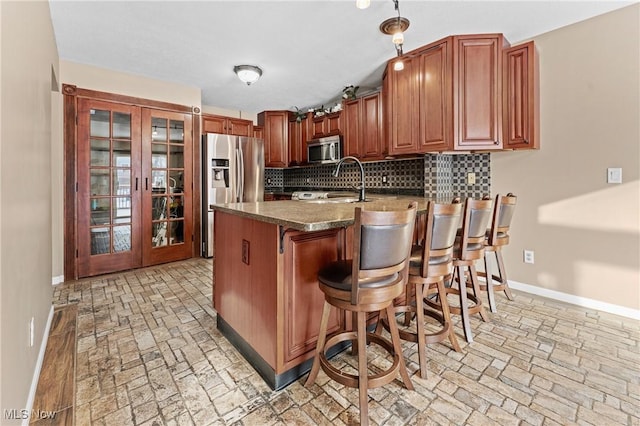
31,332
471,178
385,179
528,257
268,181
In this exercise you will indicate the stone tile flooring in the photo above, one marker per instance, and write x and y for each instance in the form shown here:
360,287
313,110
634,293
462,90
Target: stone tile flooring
149,353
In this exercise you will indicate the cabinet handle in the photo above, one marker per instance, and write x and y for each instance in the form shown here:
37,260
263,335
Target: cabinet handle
136,184
146,184
526,141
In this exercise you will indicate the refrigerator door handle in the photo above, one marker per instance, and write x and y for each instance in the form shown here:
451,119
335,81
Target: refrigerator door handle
240,175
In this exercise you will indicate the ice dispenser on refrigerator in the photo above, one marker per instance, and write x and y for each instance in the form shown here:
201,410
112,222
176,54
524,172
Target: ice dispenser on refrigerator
234,172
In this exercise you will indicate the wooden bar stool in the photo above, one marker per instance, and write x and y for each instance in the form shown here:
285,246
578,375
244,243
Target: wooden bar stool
431,262
469,248
369,282
496,238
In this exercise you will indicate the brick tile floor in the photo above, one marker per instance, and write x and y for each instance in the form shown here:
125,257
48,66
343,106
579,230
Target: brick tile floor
149,353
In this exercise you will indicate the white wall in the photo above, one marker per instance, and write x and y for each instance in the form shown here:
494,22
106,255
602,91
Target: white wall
28,55
585,232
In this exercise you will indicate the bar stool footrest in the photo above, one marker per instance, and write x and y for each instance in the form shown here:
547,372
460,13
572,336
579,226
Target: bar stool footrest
374,380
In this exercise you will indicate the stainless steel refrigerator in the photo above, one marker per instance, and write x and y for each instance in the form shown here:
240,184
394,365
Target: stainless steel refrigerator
233,173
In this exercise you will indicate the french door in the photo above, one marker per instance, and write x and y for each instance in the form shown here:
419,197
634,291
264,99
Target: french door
133,198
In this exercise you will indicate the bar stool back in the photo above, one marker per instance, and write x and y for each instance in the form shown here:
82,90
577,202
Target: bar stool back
430,263
367,283
469,248
496,238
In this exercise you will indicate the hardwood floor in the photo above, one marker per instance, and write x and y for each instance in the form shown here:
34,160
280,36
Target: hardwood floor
55,392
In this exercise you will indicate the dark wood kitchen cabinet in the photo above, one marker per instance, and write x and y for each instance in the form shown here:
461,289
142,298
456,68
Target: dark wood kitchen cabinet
258,132
362,127
226,125
298,137
521,97
447,97
276,129
477,99
326,125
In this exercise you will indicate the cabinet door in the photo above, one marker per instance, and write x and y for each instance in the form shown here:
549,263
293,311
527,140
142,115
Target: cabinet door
294,133
520,97
333,124
352,134
276,125
108,190
371,127
239,127
167,188
477,102
317,127
214,124
305,254
403,113
436,119
258,132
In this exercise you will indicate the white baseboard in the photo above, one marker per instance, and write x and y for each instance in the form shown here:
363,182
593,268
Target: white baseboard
57,280
36,372
577,300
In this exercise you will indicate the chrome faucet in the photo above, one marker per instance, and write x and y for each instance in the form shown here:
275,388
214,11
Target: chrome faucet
336,172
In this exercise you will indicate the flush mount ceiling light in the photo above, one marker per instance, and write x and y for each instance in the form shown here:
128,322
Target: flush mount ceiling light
363,4
248,73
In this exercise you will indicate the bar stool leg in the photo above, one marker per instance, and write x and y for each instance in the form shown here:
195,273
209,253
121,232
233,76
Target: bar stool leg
363,384
464,304
397,347
422,341
476,291
503,274
446,314
489,277
322,337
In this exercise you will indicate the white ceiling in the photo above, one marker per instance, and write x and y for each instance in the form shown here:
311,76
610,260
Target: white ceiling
308,50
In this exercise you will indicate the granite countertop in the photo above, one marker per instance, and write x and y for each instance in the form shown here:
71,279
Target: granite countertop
307,216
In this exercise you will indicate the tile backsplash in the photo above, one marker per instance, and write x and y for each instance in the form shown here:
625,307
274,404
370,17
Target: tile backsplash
434,175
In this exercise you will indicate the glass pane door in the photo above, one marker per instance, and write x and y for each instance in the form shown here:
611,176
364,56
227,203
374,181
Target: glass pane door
167,150
108,168
167,177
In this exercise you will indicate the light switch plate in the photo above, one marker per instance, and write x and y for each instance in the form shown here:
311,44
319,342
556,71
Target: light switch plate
614,175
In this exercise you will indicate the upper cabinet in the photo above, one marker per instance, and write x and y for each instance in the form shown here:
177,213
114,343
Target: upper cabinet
326,125
521,97
477,92
226,125
275,126
450,96
298,137
362,127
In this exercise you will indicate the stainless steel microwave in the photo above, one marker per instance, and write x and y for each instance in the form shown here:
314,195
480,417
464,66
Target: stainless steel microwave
324,150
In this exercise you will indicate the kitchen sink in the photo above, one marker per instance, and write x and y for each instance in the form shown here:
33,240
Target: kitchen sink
341,200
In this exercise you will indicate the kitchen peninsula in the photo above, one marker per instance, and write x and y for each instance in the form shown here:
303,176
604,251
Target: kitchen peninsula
266,295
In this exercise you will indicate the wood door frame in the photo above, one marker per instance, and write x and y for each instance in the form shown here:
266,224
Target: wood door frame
71,95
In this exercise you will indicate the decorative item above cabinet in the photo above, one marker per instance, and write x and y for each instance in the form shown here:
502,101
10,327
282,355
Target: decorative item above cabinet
450,97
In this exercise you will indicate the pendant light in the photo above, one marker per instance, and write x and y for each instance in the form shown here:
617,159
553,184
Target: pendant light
395,27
